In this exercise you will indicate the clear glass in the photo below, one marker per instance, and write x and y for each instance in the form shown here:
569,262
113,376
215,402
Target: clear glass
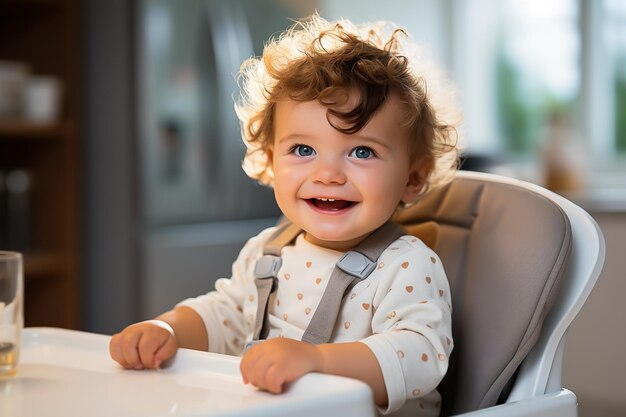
11,311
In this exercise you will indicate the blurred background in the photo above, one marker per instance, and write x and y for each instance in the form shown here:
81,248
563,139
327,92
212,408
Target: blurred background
120,155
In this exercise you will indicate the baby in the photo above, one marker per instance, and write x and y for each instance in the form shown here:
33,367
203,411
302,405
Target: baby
347,123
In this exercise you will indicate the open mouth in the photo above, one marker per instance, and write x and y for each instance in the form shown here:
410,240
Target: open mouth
330,204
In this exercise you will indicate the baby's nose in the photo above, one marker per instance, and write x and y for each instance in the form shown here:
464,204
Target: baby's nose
329,171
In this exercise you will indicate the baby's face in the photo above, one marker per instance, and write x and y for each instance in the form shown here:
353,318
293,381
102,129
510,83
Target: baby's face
339,187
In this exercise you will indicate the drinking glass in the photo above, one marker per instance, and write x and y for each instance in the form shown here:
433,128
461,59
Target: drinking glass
11,311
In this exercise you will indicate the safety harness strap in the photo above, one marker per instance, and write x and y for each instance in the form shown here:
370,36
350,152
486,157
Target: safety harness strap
352,267
266,271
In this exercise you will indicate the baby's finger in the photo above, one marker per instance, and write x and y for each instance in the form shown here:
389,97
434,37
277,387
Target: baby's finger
247,363
130,343
258,373
115,349
275,378
147,347
165,351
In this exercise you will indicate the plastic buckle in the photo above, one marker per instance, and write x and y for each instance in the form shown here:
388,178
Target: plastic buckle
267,266
356,264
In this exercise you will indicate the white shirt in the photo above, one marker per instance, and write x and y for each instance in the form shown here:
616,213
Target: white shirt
402,312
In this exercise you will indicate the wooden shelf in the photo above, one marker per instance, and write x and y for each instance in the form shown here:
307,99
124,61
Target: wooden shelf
42,266
27,8
46,36
18,129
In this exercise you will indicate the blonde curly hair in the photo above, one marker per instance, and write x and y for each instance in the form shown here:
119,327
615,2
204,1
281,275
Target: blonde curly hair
316,59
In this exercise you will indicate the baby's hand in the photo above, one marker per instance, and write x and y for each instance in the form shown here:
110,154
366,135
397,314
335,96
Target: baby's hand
144,345
271,364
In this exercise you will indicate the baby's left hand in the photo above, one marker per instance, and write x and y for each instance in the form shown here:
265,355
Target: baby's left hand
271,364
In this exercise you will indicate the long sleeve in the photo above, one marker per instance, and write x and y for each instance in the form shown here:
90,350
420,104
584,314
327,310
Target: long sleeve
229,311
411,324
402,312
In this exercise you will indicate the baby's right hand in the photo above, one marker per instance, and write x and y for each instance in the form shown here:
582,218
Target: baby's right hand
144,345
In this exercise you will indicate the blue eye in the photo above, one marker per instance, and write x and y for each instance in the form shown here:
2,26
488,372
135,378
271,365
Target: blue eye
362,152
303,150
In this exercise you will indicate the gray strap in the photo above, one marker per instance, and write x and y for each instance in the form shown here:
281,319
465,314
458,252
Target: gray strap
264,287
376,243
323,321
354,266
265,272
282,237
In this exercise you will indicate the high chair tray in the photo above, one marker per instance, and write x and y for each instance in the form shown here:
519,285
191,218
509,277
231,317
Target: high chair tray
70,374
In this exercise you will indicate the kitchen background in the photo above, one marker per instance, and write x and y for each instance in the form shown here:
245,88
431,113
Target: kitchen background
120,154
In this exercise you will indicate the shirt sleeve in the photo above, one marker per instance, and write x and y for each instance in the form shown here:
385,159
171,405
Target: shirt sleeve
412,334
225,310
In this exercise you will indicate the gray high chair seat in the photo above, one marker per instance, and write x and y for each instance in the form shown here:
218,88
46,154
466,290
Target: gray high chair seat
521,261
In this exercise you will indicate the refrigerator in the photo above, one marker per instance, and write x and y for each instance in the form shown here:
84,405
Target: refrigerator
197,208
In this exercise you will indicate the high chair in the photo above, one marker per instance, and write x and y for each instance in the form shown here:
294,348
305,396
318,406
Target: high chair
521,261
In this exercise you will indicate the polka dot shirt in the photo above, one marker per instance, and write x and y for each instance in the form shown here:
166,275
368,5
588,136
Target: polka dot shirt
402,312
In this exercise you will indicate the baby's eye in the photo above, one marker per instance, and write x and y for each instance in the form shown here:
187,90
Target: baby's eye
303,150
362,152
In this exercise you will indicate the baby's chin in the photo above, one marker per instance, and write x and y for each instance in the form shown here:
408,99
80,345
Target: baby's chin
333,240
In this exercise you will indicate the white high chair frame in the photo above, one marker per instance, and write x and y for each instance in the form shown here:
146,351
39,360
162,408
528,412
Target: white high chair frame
538,389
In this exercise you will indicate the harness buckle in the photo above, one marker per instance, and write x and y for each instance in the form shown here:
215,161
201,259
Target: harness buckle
356,264
267,266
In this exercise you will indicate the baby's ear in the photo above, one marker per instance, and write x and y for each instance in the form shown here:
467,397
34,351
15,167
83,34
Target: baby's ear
269,151
418,173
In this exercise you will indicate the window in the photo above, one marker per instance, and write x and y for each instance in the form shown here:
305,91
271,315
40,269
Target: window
519,63
615,39
537,71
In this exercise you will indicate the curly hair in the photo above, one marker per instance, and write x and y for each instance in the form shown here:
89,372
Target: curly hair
319,60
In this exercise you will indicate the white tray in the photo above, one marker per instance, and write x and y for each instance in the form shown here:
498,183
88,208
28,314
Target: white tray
68,373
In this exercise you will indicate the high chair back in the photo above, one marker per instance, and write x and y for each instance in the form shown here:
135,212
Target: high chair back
521,261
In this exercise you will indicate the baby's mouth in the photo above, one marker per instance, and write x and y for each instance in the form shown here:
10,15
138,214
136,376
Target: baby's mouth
330,204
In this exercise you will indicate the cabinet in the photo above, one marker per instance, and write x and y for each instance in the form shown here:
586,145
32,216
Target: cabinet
44,34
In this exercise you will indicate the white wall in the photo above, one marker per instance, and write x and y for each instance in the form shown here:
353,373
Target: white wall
595,362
